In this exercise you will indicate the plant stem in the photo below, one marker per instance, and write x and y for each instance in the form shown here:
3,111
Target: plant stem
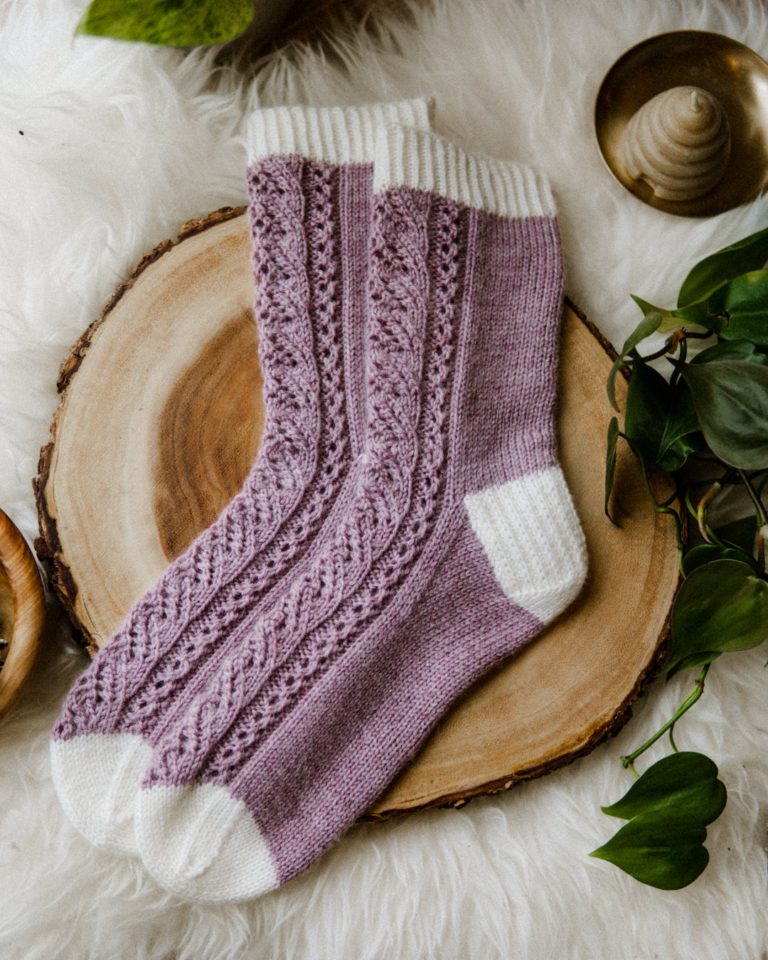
670,346
664,508
762,519
674,341
689,701
677,372
701,509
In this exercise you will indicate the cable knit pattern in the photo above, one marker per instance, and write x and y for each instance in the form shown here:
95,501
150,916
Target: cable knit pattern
309,191
398,299
298,211
316,654
287,458
432,572
320,182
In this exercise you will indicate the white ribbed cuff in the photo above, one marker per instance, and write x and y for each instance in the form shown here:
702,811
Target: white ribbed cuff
424,161
330,134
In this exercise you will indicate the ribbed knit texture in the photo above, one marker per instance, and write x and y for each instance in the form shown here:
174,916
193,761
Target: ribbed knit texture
443,168
458,542
310,213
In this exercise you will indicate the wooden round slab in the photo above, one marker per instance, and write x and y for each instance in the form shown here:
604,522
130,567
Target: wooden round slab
159,422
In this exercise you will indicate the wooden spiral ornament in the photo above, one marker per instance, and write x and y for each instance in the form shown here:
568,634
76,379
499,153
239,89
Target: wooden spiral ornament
679,143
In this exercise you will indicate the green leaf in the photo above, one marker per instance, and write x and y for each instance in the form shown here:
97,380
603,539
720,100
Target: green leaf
648,399
740,533
743,302
660,420
697,314
682,783
648,325
667,322
731,401
751,253
695,660
610,465
661,850
707,552
175,23
721,607
681,435
730,350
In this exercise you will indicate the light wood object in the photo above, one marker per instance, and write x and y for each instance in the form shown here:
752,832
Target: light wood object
158,424
22,611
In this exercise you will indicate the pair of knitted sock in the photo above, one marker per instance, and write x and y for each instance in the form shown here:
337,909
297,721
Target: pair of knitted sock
405,526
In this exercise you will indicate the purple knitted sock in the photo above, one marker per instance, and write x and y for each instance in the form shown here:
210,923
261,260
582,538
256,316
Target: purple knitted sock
309,181
460,542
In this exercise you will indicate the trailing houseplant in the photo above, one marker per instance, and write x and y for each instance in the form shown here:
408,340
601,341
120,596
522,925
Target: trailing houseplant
181,23
707,425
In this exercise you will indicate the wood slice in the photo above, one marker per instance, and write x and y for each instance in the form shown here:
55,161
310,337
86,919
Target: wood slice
159,422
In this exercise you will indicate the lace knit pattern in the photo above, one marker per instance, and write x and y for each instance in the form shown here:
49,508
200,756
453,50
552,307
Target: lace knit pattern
233,602
442,564
317,653
369,528
170,631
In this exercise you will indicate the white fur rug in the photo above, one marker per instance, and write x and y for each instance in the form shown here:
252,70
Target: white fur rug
106,149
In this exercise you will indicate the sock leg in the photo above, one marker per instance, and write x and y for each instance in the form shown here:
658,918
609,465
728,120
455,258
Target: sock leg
309,210
463,544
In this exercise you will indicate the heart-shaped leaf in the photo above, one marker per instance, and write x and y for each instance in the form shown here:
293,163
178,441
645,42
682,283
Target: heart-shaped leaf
707,552
661,850
740,533
682,783
751,253
648,399
731,402
722,606
175,23
681,435
743,305
660,421
731,350
668,809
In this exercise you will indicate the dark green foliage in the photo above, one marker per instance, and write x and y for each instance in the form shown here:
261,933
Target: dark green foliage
713,408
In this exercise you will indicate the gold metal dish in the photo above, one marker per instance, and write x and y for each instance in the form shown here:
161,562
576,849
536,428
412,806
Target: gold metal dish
728,70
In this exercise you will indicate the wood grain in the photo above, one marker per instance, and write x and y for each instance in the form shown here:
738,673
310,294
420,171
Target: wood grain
22,611
159,421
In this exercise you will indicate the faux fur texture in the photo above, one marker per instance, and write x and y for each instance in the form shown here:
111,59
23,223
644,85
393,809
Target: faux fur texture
106,149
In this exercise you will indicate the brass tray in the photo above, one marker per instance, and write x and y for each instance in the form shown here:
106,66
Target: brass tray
730,71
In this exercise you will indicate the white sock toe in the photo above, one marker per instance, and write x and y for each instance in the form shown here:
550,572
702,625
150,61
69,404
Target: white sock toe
97,778
202,843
